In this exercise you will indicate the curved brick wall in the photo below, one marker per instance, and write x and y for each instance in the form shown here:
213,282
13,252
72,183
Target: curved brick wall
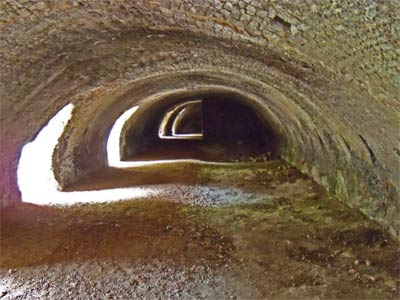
325,73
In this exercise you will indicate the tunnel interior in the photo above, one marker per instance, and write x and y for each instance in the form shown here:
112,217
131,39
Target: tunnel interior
183,121
213,149
213,127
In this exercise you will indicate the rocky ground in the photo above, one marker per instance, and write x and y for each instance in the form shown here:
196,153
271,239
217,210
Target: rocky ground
235,231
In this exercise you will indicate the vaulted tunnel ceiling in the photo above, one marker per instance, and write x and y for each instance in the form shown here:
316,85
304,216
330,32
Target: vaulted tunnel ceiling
323,75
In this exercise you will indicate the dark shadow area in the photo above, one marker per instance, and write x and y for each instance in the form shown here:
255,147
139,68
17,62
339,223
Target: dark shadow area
230,130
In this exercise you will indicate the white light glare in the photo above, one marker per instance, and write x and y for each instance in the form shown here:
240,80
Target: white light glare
113,143
36,177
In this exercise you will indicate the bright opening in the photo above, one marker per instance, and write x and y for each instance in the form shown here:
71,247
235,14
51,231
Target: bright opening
36,179
113,142
35,173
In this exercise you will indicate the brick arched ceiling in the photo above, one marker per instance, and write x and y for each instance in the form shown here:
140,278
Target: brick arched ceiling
323,73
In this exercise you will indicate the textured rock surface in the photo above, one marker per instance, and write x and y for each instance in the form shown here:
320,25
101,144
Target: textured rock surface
325,74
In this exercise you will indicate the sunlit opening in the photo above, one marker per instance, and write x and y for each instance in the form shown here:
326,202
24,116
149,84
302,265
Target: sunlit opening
36,179
113,142
35,172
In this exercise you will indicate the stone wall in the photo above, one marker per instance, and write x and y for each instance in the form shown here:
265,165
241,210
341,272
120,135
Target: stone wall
326,72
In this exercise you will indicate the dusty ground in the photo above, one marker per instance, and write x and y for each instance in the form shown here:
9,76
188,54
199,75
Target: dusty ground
240,231
208,151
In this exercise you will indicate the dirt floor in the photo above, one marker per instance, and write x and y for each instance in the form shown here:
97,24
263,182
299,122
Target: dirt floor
208,151
237,231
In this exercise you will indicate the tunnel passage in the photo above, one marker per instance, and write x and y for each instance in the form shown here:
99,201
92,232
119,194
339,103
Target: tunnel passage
307,137
217,127
183,121
335,82
324,75
189,122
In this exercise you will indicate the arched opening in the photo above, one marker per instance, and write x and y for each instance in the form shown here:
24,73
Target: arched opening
36,180
219,126
183,121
